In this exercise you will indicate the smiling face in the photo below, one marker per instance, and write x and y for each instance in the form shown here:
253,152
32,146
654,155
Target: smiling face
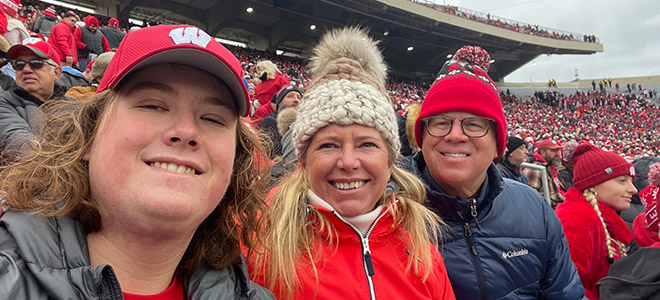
348,166
164,151
616,192
458,163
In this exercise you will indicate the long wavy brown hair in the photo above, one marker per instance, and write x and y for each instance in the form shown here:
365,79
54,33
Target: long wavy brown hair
53,180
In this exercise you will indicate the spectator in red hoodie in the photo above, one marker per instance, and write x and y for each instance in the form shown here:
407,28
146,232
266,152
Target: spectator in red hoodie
61,38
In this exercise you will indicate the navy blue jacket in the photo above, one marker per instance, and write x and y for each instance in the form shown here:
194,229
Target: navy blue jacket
506,243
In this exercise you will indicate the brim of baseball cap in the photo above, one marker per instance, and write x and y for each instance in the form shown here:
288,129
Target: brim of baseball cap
16,49
198,58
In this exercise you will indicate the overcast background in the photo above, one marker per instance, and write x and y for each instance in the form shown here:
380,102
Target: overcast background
628,30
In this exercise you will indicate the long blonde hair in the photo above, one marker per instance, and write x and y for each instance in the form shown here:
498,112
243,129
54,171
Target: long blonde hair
590,195
290,233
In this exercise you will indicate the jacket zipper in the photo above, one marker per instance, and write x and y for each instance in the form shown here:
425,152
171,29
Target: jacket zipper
475,255
366,253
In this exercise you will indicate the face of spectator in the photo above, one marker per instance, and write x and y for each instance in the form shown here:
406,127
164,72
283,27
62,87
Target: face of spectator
71,21
550,155
290,100
616,192
348,166
39,82
458,163
164,152
92,27
518,156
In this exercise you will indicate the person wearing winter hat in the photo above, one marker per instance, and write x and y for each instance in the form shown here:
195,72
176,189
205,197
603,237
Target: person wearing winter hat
90,42
288,96
645,225
565,168
45,23
497,227
112,33
15,32
547,155
515,155
149,190
349,223
94,74
596,234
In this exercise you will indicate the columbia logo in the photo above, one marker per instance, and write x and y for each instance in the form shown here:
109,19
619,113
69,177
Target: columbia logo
512,254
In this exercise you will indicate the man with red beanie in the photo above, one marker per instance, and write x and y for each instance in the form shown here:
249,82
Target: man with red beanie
90,42
113,34
504,241
62,40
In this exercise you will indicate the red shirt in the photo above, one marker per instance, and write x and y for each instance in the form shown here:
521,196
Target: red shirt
174,292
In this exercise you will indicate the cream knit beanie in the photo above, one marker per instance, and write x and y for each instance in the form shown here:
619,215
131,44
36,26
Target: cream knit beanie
348,87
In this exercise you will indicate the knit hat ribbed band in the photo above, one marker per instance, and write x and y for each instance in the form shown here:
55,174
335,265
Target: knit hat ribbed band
463,85
348,88
594,166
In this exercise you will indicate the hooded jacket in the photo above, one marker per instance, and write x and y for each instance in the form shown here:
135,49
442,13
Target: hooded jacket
505,243
47,258
62,40
586,237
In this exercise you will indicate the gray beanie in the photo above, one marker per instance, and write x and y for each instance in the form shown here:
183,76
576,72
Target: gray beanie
348,88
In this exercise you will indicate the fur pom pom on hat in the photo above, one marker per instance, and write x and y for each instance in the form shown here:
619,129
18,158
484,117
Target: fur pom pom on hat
463,85
594,166
348,88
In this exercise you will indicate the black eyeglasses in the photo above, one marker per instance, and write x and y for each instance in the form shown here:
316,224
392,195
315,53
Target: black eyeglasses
35,64
474,127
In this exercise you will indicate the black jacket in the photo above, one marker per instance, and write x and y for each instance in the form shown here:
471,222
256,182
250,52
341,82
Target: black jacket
633,277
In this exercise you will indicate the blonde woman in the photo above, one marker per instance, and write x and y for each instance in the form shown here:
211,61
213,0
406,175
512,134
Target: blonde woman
595,233
349,223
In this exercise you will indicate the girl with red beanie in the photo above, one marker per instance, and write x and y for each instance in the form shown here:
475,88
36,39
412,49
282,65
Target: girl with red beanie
596,234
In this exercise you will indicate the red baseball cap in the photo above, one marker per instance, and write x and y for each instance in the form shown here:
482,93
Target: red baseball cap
36,46
177,44
548,144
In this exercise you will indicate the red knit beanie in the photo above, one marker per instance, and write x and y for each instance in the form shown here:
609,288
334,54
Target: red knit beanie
50,11
10,7
91,20
463,85
594,166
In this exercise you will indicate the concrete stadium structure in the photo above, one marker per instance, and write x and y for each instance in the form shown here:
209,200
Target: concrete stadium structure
286,25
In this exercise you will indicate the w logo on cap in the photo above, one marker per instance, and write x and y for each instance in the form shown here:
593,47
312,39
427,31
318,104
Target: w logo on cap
190,35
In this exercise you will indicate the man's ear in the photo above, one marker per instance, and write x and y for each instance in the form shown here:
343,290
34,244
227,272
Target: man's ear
58,72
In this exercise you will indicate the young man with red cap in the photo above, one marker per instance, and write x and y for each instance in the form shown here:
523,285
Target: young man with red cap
547,155
146,191
37,69
62,40
113,34
89,41
505,241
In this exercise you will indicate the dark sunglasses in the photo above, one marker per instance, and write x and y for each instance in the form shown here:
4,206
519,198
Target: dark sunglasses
34,64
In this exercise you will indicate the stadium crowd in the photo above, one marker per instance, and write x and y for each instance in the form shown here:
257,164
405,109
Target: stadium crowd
464,126
507,24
